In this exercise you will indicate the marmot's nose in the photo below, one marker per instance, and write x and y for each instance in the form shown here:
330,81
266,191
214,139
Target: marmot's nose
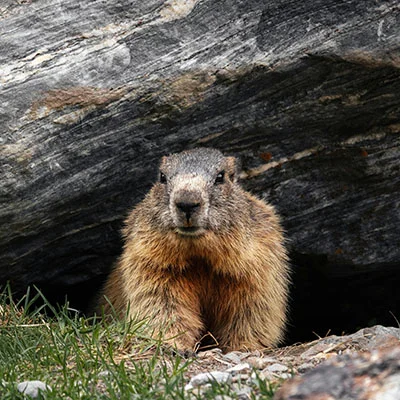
187,208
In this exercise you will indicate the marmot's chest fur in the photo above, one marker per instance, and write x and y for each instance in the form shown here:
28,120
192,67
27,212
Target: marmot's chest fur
201,254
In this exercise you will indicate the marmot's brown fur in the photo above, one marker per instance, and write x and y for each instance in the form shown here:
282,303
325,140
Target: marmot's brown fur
202,255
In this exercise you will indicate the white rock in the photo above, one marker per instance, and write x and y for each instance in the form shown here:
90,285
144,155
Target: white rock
239,368
233,356
242,391
101,374
276,368
271,372
31,388
208,377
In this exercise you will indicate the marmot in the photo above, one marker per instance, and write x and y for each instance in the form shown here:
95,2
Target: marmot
203,255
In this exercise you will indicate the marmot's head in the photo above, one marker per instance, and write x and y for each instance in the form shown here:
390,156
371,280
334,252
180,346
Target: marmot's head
194,192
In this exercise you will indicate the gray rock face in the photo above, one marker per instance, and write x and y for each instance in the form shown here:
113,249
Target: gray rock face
307,94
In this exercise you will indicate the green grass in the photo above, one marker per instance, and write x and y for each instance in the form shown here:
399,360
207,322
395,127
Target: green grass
84,358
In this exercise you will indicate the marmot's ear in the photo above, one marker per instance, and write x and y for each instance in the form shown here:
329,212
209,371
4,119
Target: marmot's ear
232,168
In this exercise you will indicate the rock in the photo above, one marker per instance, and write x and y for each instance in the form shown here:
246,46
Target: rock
208,377
234,356
270,376
243,392
260,362
276,368
324,346
272,373
307,97
363,361
369,375
32,388
364,339
103,374
390,389
305,367
245,367
210,353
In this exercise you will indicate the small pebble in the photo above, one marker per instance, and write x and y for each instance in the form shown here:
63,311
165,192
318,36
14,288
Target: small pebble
273,372
233,356
305,367
285,375
239,368
260,362
242,392
103,373
209,353
276,368
31,388
240,377
208,377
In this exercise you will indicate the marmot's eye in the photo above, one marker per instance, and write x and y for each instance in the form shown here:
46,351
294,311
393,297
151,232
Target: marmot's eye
220,177
163,178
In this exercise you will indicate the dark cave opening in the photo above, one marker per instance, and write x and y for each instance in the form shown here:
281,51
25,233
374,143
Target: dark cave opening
327,299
